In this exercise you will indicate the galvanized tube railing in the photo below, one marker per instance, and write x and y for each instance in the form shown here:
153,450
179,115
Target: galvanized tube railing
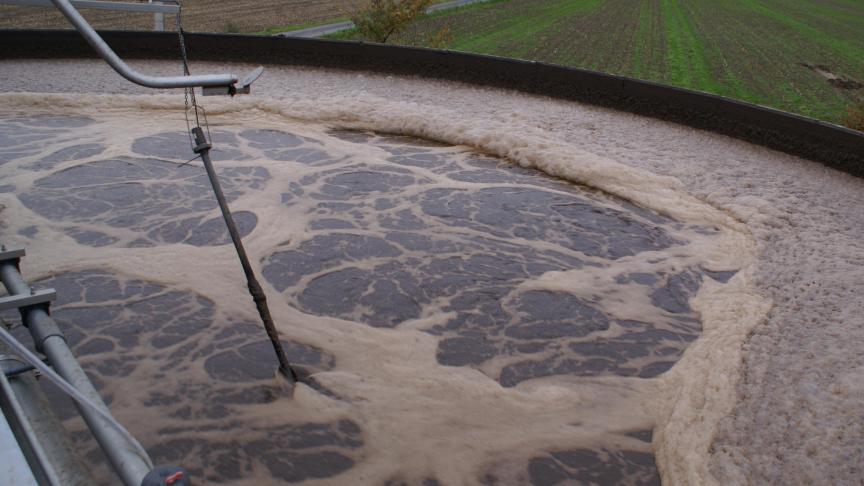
48,450
124,457
102,48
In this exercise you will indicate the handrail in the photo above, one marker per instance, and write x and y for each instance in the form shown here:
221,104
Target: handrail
159,82
81,399
49,339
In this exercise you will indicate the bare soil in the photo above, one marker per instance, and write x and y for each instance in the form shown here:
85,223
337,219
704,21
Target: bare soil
198,15
833,79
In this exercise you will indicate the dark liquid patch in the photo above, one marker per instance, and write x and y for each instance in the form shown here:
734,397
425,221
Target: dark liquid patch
385,250
164,201
427,229
75,152
178,146
115,325
24,136
587,466
291,453
287,147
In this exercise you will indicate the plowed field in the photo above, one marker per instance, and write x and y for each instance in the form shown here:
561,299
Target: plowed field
804,56
198,15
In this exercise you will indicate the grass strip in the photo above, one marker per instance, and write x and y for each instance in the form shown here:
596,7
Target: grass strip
847,50
685,54
519,29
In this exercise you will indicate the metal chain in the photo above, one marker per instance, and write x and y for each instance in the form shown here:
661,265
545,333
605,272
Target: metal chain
201,147
188,93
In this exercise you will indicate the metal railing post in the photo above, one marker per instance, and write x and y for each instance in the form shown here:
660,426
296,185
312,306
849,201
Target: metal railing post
158,20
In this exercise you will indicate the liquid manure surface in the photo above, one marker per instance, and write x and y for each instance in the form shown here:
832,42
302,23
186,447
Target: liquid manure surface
469,273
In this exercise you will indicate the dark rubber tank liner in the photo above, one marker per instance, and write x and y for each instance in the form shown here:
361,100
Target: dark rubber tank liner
834,146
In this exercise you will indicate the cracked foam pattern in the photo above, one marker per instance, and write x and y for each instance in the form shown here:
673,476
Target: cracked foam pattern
178,146
797,408
129,331
145,201
630,464
389,233
421,243
24,136
580,466
149,200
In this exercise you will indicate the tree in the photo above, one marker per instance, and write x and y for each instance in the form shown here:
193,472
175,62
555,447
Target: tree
381,19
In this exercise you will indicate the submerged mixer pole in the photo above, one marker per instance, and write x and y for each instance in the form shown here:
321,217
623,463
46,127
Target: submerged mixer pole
226,84
202,148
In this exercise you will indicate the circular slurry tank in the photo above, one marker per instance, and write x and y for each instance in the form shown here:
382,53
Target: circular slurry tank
481,286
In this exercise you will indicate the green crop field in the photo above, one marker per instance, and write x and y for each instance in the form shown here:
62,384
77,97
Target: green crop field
804,56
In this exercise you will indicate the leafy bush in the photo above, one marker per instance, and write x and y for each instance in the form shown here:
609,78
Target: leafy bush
381,19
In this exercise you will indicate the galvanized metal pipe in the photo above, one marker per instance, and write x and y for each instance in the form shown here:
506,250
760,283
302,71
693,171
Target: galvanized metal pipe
16,416
159,82
41,436
125,460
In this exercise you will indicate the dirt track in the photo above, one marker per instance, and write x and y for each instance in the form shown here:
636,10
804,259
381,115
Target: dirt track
198,15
